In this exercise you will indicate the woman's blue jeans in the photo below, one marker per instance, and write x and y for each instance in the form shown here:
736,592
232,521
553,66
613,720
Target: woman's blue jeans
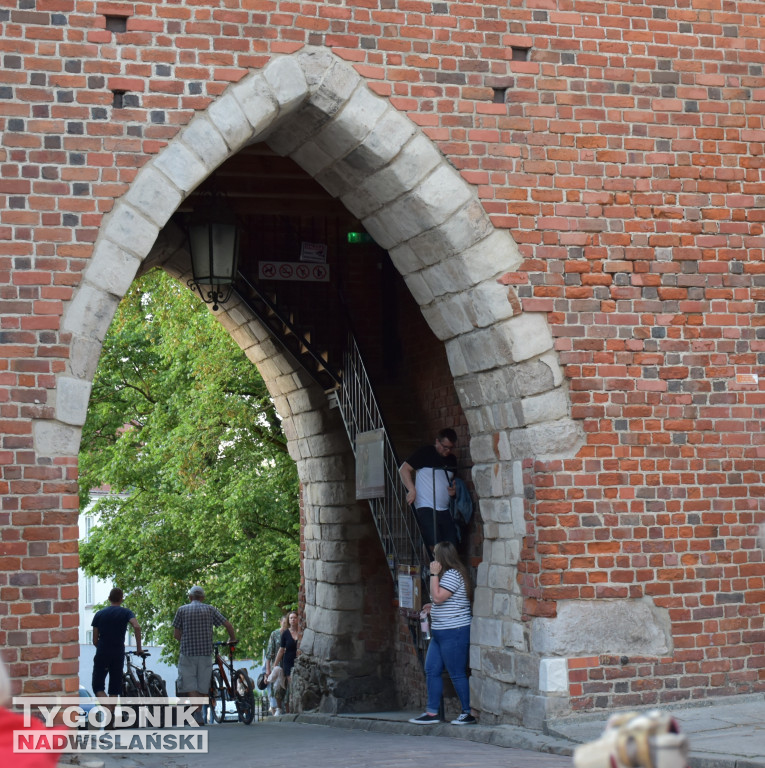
448,648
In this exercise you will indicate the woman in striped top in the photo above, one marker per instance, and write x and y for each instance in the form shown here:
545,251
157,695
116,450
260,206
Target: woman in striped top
450,614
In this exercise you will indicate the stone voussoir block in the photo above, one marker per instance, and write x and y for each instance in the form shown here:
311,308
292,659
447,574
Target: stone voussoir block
111,268
351,125
287,81
130,230
72,397
52,438
153,195
90,312
205,138
257,102
179,163
549,406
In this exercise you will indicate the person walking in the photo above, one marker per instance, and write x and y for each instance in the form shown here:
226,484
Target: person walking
288,651
451,592
109,627
275,692
428,475
193,627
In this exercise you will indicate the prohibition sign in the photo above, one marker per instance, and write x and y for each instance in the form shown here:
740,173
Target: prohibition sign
285,270
302,271
319,272
269,270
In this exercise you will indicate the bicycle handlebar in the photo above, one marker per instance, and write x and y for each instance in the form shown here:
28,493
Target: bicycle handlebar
226,642
142,654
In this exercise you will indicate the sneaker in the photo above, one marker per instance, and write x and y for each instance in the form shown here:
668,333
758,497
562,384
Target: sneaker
278,713
425,719
465,719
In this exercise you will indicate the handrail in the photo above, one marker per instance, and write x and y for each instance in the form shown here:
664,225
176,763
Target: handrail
394,519
287,323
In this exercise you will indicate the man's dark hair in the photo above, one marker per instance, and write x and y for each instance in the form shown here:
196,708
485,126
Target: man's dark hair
116,595
448,434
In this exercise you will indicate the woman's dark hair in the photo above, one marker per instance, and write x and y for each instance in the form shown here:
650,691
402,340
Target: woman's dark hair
445,553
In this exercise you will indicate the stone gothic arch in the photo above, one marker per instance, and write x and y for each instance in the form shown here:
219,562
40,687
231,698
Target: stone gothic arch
315,108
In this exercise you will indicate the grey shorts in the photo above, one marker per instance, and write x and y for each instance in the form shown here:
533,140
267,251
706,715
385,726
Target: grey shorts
194,674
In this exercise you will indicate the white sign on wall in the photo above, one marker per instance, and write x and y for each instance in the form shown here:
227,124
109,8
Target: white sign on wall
293,270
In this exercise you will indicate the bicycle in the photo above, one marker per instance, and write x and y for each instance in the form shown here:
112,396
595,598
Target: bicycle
232,685
139,682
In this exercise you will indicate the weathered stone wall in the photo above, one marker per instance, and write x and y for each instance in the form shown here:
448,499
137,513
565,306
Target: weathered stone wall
573,196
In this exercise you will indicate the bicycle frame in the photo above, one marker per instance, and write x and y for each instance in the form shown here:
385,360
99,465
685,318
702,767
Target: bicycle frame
137,674
226,668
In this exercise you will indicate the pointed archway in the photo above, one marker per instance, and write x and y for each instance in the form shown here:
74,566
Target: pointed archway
315,108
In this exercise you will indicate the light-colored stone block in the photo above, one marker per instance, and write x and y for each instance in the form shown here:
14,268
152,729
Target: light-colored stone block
130,230
492,256
227,115
412,164
485,631
182,166
350,126
383,143
90,312
111,269
592,627
527,335
548,406
206,139
287,81
153,195
553,675
258,103
72,397
52,438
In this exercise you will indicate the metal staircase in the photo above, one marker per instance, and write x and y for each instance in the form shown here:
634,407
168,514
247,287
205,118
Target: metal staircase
348,386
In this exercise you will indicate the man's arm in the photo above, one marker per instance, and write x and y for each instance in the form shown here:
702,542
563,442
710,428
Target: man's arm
230,630
95,635
137,632
177,633
406,471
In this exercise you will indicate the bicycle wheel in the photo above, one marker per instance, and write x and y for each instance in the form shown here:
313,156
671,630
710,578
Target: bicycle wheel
156,685
129,688
217,698
245,697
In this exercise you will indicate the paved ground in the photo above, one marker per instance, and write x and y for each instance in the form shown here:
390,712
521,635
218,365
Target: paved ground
723,733
270,744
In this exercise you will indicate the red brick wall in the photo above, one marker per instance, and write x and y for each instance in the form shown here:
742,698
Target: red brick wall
626,159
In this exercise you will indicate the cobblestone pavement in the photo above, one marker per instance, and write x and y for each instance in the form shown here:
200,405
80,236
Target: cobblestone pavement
271,743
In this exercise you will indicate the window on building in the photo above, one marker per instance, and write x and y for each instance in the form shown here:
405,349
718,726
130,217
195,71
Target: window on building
88,526
88,590
89,637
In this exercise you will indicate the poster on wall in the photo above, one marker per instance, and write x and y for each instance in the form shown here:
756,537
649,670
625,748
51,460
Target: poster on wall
370,471
314,252
409,588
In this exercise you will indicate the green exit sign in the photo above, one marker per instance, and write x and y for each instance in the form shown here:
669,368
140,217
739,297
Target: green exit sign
359,237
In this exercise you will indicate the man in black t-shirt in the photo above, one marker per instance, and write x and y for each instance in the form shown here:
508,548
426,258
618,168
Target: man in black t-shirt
109,627
428,475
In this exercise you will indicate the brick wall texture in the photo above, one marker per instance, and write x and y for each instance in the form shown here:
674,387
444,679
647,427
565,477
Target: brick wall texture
622,145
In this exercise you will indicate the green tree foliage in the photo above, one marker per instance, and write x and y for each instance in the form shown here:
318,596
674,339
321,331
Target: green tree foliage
182,431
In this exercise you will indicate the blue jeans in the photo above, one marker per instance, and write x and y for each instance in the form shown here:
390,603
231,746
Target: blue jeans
448,648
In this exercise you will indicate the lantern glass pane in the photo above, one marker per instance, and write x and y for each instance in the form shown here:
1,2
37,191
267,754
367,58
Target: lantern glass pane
199,244
224,237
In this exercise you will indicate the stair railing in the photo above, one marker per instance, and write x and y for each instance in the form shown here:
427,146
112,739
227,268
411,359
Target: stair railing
393,516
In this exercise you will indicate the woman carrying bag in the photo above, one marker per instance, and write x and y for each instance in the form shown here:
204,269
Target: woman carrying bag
450,615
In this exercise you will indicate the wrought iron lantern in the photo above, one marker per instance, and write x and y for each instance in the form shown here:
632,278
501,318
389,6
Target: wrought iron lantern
213,241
